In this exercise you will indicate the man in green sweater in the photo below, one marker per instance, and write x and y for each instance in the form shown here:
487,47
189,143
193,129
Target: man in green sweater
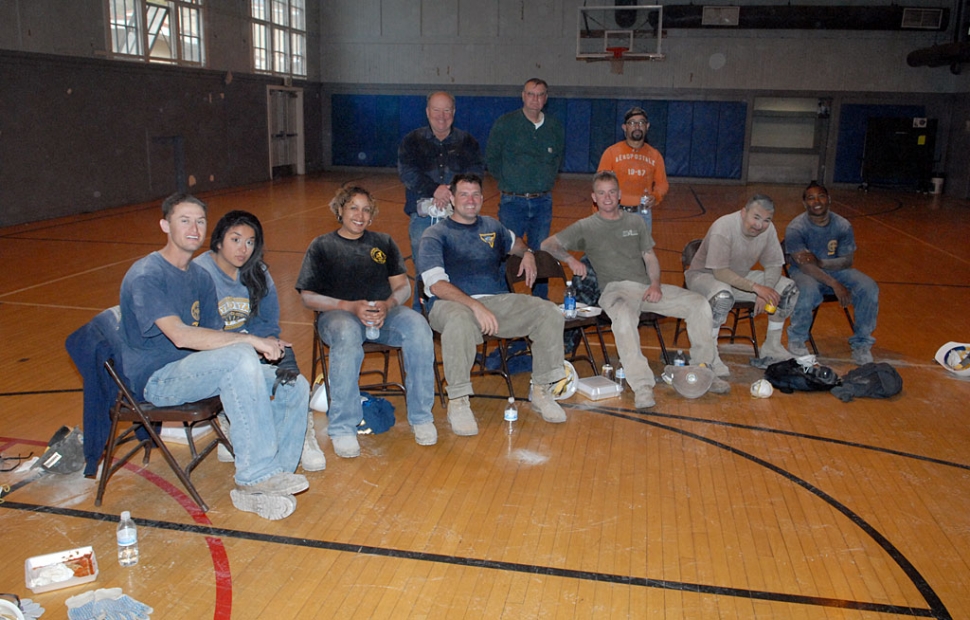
524,153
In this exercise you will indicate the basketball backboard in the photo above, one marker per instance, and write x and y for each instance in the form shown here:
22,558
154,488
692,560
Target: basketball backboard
630,32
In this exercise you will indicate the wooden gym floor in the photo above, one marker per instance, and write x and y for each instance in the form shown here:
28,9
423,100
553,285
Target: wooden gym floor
798,506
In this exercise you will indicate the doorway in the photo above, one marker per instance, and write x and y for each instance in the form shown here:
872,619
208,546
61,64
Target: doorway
286,135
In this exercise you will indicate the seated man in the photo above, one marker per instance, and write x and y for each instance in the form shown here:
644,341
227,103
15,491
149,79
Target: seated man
356,278
822,245
461,266
176,352
620,248
722,272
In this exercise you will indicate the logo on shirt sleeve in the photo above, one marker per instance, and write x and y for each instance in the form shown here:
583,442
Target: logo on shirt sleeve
488,238
378,256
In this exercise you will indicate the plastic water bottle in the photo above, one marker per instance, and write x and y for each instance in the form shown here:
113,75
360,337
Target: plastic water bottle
511,414
679,358
646,209
569,301
621,379
127,540
372,330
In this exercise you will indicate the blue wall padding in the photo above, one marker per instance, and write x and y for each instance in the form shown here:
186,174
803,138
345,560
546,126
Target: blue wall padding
730,140
703,144
700,139
578,131
679,136
853,122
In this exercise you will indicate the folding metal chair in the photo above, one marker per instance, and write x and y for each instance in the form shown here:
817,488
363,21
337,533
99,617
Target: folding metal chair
143,415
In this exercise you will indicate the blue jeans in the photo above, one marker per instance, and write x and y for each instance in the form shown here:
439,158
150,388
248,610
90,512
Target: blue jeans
865,305
529,219
344,333
267,435
415,229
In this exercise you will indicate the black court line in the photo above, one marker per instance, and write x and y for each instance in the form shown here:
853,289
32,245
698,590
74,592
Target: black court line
40,392
937,608
530,569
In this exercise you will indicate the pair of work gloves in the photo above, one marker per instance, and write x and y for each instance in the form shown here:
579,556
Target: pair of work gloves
106,604
286,369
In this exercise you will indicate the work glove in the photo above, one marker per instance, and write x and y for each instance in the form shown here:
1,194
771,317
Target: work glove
106,604
286,369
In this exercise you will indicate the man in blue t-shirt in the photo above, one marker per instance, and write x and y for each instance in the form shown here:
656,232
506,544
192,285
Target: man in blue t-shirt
822,248
176,351
461,266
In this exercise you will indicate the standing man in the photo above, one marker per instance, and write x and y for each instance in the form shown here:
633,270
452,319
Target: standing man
822,246
638,166
462,269
427,160
722,272
177,352
620,247
524,153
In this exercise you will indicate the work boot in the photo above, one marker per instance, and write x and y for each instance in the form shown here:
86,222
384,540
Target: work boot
425,434
461,417
346,446
771,351
720,368
272,507
719,386
312,458
222,452
545,404
798,349
643,398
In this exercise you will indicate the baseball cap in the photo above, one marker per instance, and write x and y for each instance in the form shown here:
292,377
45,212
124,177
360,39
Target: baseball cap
689,381
634,111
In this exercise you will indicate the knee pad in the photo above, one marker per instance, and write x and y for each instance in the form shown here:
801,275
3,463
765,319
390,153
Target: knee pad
787,303
721,305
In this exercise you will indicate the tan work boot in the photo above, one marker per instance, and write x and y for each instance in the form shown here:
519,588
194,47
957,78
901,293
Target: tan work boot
461,417
544,403
312,458
643,398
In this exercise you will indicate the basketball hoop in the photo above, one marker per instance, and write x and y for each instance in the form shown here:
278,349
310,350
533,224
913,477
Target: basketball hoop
616,63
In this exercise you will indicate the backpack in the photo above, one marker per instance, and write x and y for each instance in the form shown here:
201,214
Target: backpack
872,380
790,376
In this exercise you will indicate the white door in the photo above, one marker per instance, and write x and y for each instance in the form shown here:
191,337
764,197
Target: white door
286,137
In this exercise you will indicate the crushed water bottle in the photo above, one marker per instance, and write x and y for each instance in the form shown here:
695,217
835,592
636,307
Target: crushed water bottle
372,330
127,540
569,301
511,414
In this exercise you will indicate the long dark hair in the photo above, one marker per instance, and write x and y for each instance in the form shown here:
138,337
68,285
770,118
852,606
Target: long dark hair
253,273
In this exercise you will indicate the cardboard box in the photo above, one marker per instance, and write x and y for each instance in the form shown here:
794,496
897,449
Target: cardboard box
598,388
43,573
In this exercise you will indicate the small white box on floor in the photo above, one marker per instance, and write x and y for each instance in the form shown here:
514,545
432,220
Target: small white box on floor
598,388
63,569
173,432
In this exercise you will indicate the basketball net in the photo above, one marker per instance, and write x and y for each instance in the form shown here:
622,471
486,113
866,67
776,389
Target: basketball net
616,63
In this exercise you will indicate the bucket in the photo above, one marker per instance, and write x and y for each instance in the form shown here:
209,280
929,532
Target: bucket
937,183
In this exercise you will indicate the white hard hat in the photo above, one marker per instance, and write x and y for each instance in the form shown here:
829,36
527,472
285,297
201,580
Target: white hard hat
955,357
